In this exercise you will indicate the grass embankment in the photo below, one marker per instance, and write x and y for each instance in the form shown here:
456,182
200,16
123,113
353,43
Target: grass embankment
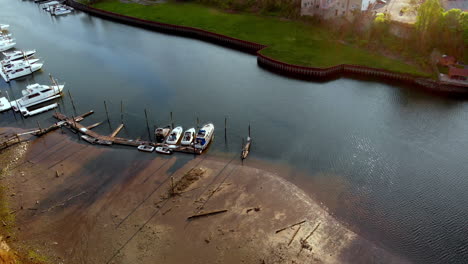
289,41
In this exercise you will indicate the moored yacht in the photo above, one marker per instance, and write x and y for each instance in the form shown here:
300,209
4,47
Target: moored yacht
6,45
4,104
29,69
59,10
17,55
204,136
174,136
188,137
35,94
14,65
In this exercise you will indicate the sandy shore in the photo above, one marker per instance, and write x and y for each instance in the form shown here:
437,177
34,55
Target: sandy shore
79,203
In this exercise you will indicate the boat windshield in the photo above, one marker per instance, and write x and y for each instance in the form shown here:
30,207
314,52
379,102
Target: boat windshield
201,133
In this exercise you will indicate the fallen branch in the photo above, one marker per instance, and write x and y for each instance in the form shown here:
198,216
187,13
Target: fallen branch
167,211
4,224
295,233
282,229
206,214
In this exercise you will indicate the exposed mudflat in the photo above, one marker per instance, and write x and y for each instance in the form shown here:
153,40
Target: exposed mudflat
79,203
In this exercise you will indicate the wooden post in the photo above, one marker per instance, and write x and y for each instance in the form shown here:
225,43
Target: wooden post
39,126
76,128
147,124
198,121
249,129
107,112
172,122
121,112
225,128
71,99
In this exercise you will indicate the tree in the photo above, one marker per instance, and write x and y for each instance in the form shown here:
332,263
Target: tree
428,20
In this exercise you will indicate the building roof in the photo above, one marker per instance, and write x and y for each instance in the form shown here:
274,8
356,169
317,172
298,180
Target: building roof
454,71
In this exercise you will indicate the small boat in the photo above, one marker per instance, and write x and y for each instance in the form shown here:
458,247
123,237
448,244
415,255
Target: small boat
146,148
204,136
49,4
246,148
174,136
188,137
35,94
17,55
161,133
6,45
39,110
4,104
164,150
8,76
59,10
4,27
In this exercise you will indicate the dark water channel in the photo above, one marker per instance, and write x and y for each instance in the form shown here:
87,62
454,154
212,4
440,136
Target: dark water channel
388,160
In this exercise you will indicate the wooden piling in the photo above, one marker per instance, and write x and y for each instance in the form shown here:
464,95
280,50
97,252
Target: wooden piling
172,122
225,128
107,112
71,99
121,111
172,185
147,124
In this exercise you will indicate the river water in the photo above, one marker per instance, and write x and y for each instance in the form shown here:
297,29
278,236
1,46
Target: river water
388,160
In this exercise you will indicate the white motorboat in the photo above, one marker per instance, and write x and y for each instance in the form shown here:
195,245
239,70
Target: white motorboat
174,136
35,94
8,76
4,27
14,65
164,150
161,133
189,136
4,104
39,110
6,45
17,55
146,148
5,35
49,4
204,136
59,10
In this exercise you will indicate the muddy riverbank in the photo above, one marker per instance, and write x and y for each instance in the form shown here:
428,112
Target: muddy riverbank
78,203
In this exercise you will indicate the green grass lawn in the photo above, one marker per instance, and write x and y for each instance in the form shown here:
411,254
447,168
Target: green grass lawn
288,41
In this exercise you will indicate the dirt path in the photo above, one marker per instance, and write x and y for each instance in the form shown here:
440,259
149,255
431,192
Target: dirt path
79,203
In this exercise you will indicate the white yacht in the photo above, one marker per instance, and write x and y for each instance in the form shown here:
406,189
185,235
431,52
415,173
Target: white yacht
4,104
29,69
17,55
35,94
4,27
161,133
189,136
15,65
174,136
204,136
6,45
58,10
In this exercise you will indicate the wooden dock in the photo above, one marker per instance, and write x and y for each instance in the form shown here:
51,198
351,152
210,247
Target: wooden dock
113,139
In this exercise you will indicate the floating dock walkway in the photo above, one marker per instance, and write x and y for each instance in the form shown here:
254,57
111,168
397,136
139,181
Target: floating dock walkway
96,138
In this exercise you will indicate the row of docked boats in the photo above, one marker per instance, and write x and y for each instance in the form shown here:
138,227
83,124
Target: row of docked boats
16,64
169,138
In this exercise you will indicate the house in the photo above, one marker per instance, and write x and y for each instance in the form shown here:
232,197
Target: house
447,60
458,73
333,8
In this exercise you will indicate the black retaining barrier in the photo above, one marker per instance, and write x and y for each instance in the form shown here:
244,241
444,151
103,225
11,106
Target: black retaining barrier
282,68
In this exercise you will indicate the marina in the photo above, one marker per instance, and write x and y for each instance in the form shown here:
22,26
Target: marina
375,149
